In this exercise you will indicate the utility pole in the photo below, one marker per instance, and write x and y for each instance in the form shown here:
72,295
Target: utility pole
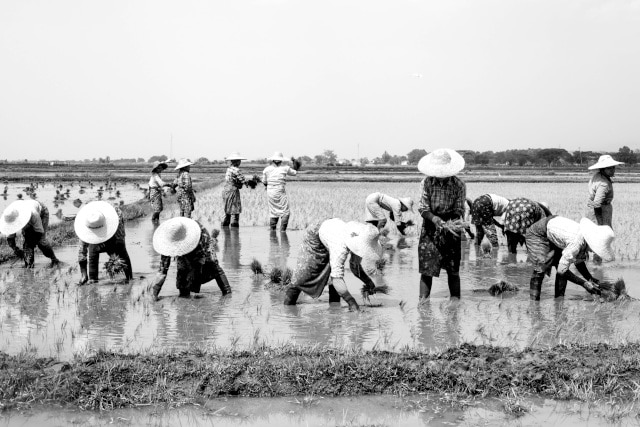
171,147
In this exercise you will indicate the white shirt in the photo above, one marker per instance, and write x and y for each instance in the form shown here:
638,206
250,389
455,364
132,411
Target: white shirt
332,234
565,234
499,204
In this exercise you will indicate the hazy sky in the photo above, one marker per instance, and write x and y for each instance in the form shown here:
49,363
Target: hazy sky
83,79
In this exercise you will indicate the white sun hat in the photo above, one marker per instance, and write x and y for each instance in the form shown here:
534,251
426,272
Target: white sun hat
599,238
176,236
441,163
407,202
605,161
96,222
15,217
362,240
277,156
183,163
235,156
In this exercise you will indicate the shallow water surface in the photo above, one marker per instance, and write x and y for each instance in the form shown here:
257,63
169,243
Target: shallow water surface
43,310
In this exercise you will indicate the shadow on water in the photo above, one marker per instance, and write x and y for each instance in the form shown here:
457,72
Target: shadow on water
45,312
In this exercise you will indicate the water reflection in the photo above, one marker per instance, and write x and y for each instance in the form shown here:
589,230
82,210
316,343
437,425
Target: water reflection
232,248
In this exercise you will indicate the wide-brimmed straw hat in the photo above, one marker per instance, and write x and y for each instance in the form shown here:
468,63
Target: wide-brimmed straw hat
235,156
183,163
159,165
176,236
441,163
605,161
599,238
277,156
362,240
96,222
407,202
15,217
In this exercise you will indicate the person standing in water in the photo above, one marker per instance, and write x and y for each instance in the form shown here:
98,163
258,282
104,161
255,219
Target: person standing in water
274,178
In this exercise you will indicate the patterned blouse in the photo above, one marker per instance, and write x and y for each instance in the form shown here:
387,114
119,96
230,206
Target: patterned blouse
565,234
446,196
183,181
119,237
600,190
235,177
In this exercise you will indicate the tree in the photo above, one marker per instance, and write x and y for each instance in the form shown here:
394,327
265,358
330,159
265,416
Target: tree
161,158
552,155
330,156
203,160
386,157
319,159
414,156
626,155
305,159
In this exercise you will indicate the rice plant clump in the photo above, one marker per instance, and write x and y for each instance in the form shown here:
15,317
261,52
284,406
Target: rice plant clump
115,266
502,286
611,291
279,278
256,267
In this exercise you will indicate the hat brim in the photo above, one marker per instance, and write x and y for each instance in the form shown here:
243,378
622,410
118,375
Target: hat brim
162,166
164,245
183,165
365,245
235,158
599,238
94,236
427,166
24,215
277,159
605,164
406,204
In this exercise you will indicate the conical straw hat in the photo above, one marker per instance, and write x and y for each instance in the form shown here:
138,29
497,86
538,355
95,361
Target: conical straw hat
407,202
96,222
15,217
235,156
277,156
176,236
441,163
183,163
605,161
362,240
599,238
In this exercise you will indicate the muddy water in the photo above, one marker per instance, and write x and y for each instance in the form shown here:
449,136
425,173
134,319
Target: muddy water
68,203
43,311
430,410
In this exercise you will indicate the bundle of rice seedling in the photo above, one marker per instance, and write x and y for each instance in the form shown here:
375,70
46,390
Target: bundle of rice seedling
455,227
256,267
115,266
502,286
215,233
252,182
381,263
382,289
295,164
279,278
613,290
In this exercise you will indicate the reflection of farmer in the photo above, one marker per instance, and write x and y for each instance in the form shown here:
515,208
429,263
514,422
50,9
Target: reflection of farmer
599,207
443,199
377,203
324,251
100,228
558,242
32,217
233,182
483,211
274,177
155,189
190,243
519,215
186,196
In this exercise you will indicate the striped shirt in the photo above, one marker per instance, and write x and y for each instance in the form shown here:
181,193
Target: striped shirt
332,234
565,234
600,190
443,196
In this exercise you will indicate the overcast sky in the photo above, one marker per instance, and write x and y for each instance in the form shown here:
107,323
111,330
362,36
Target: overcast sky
83,79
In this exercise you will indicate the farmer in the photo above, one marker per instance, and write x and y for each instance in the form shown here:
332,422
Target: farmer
483,211
519,215
377,203
599,208
156,185
188,241
274,177
558,242
443,199
234,180
32,217
186,196
100,228
324,251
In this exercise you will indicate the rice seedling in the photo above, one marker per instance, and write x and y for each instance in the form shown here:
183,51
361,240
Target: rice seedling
502,286
256,267
115,266
613,290
279,278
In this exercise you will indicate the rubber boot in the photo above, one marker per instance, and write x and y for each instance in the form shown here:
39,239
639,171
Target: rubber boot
48,252
535,286
291,296
453,279
512,242
425,285
84,278
334,296
221,280
155,217
353,305
284,222
273,223
560,285
184,293
235,221
226,220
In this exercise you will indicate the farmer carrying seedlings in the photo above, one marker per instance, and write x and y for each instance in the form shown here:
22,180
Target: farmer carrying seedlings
599,208
483,211
274,176
100,228
188,241
156,185
32,218
443,200
186,196
324,251
519,215
558,242
377,203
234,180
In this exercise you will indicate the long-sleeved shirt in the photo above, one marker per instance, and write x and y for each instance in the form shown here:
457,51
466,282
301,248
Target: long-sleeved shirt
155,181
499,204
443,196
275,176
600,190
565,234
183,181
234,177
332,234
388,203
119,236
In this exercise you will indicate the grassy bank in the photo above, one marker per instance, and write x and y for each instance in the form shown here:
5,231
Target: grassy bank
112,380
62,233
